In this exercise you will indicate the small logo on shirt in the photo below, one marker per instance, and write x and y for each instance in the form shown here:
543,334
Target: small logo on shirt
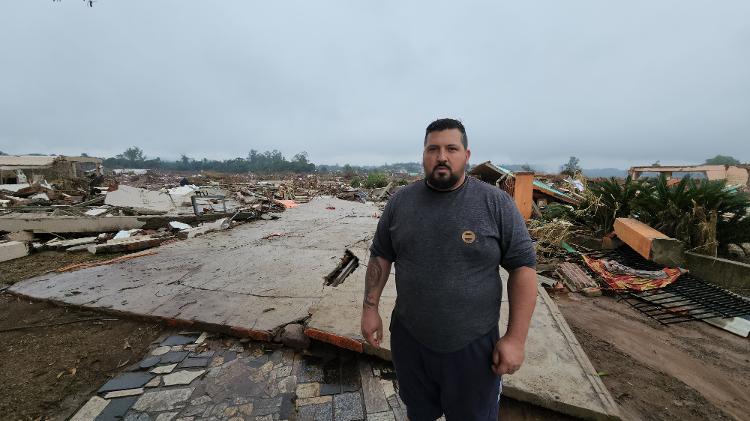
468,237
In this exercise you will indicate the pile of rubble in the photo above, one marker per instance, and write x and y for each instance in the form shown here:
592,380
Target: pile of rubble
130,210
249,188
120,217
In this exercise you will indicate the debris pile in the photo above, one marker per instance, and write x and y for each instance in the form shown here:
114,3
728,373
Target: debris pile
545,188
130,210
71,216
641,239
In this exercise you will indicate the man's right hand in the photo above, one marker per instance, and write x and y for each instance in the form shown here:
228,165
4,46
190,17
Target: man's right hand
372,326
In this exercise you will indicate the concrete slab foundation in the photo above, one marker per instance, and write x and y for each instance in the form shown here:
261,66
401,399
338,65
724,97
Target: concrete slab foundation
556,373
242,281
253,280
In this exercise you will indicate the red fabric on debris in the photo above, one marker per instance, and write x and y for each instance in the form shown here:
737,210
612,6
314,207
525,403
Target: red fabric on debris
635,283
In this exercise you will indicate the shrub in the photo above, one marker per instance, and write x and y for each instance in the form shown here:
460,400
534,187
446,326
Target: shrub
557,211
701,213
606,200
375,180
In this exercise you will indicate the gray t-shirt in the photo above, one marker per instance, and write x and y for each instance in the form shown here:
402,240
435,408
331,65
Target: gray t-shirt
446,247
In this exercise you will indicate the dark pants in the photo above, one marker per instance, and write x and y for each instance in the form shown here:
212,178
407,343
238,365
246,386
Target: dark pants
459,384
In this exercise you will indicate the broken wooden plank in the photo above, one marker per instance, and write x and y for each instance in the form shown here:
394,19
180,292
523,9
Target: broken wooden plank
574,277
523,193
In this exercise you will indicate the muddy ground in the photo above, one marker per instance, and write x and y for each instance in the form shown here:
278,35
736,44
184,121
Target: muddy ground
37,264
48,372
687,371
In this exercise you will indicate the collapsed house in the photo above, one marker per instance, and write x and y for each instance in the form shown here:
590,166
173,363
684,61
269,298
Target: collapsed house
29,169
527,191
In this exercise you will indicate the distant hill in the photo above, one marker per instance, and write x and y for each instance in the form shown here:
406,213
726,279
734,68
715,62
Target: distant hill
604,172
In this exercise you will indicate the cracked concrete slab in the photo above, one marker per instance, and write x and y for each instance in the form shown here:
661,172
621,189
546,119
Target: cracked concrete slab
335,318
239,280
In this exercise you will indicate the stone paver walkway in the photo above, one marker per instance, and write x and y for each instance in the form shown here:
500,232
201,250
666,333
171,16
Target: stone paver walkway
194,377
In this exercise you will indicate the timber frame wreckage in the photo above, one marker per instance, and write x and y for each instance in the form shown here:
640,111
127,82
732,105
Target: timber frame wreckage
291,252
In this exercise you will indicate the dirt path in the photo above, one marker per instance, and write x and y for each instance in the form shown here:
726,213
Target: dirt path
684,371
48,372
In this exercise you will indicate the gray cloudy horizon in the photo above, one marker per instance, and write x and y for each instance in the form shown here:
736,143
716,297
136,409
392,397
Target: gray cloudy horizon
615,84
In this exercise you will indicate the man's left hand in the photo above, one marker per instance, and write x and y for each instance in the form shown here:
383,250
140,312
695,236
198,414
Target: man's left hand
508,356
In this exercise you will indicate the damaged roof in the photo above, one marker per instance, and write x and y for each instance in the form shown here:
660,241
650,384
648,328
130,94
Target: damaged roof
490,173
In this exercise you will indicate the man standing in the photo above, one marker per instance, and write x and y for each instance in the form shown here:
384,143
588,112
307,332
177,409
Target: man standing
447,236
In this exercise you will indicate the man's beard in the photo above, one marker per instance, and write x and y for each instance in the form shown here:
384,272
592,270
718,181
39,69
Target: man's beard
445,182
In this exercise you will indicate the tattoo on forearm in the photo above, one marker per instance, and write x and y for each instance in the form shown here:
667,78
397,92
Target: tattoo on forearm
372,282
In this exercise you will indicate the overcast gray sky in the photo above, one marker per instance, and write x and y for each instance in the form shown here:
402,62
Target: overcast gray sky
613,83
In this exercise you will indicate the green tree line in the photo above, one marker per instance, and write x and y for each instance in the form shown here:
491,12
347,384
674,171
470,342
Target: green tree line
258,162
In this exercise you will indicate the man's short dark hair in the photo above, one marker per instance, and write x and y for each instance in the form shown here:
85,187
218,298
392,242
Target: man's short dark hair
447,124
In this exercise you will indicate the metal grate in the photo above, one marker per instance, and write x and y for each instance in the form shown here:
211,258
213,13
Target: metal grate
688,298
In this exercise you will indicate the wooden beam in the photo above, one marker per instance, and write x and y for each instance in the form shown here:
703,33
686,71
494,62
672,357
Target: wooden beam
523,193
650,243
